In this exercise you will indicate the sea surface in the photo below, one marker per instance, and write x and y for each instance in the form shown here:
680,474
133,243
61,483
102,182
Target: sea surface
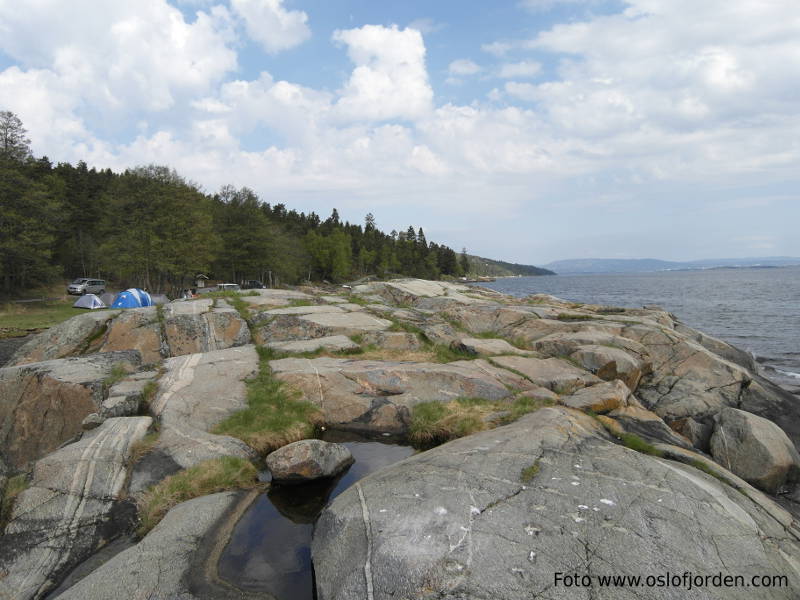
755,309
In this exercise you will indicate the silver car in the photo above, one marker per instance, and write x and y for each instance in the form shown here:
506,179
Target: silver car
84,285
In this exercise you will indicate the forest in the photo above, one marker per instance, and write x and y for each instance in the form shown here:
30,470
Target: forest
151,228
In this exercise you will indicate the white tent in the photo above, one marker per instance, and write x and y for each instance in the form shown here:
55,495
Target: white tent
89,301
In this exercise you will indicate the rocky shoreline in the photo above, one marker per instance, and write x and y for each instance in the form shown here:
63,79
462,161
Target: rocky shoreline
591,440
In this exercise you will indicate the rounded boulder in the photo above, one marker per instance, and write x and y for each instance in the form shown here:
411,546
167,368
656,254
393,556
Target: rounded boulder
307,460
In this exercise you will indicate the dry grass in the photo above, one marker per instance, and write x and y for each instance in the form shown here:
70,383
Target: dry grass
143,446
434,422
209,477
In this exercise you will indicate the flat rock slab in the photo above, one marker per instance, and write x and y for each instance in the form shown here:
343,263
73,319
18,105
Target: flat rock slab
305,310
378,395
168,563
600,398
491,347
65,339
188,307
307,460
553,373
498,513
282,294
66,390
393,340
197,392
331,342
293,327
68,510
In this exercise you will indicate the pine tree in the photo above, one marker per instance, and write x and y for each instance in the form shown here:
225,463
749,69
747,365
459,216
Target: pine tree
13,143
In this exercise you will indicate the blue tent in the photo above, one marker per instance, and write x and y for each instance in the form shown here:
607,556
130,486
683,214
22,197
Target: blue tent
132,298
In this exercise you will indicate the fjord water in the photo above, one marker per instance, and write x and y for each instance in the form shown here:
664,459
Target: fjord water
756,309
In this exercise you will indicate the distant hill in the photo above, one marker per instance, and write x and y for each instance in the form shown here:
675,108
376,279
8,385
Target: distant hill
497,268
645,265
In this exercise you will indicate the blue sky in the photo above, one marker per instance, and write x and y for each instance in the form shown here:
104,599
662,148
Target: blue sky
526,130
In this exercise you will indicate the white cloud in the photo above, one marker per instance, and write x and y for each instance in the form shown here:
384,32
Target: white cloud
426,25
390,80
497,48
463,66
523,91
525,68
271,25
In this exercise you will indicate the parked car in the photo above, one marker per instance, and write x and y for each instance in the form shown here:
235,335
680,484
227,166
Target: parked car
228,287
253,284
84,285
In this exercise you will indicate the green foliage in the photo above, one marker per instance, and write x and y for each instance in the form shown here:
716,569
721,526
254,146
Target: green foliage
634,442
148,227
274,416
118,373
437,422
528,473
446,354
14,487
573,317
209,477
18,319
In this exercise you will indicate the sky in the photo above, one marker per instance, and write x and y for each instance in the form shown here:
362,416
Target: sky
523,130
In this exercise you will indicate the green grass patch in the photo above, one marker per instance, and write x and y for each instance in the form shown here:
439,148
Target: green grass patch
18,319
14,487
118,373
300,302
528,473
149,392
353,299
275,414
634,442
573,317
434,422
610,310
209,477
446,354
357,338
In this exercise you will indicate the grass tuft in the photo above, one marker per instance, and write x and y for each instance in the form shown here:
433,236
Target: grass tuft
446,354
275,416
528,473
209,477
118,373
434,422
634,442
14,487
143,446
573,317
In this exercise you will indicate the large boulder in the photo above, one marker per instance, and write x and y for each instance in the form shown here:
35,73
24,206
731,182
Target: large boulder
498,514
134,329
43,404
72,507
489,347
307,460
378,395
71,337
600,398
755,449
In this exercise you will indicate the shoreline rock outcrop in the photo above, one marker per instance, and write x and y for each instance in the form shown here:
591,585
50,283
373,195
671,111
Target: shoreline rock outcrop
492,514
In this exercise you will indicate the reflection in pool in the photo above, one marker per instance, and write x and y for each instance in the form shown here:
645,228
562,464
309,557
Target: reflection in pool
270,546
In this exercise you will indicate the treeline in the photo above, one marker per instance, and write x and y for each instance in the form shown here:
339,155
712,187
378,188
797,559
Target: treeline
149,227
